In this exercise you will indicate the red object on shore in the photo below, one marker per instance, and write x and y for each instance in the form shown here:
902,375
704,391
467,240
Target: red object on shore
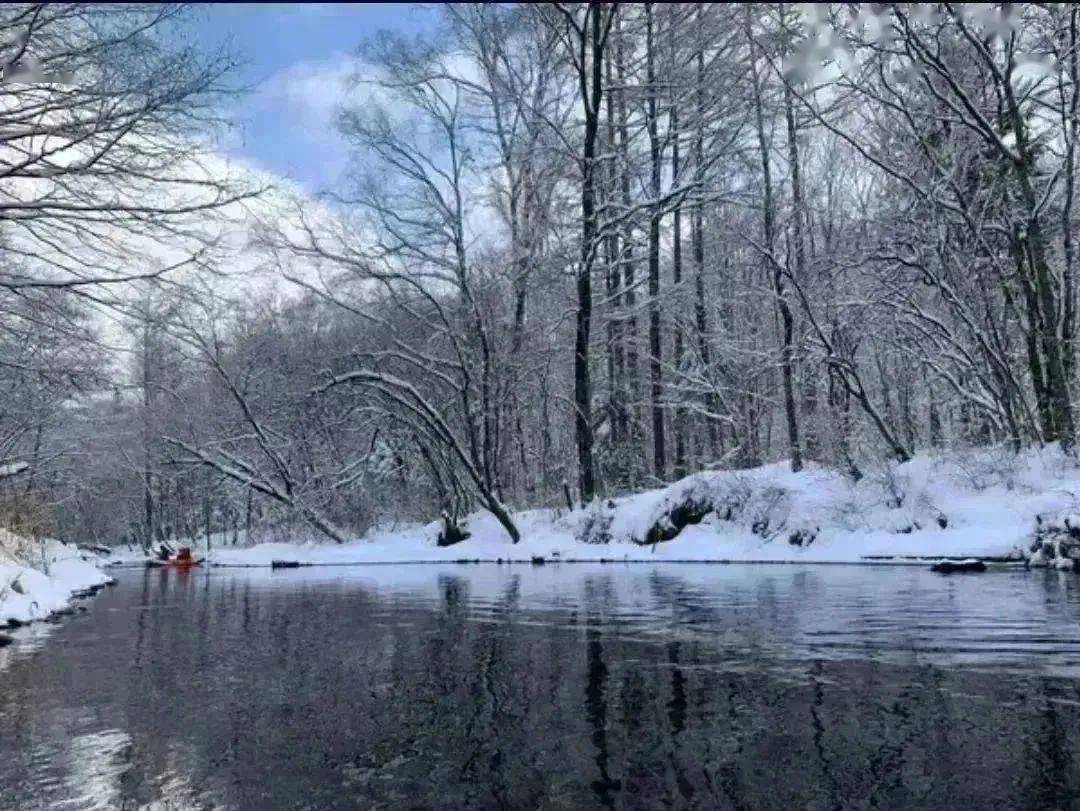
182,559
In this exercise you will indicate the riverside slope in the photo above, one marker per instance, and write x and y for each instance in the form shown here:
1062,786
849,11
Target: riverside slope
981,503
43,580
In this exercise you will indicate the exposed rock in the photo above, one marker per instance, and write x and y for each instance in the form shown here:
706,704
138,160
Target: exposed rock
86,593
451,533
691,511
802,537
1055,544
5,640
284,564
914,526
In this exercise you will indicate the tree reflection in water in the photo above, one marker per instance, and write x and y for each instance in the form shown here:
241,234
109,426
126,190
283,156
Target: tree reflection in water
479,687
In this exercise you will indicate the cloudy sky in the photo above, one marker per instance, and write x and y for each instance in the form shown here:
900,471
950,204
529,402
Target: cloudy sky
297,57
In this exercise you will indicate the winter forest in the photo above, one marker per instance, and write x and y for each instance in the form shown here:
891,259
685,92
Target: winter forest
582,250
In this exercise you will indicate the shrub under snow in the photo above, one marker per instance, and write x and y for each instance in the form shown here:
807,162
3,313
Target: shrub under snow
981,503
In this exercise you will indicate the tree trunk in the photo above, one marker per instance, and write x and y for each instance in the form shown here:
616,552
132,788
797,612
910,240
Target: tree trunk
779,292
591,83
679,423
800,275
1068,322
147,439
697,237
656,382
630,323
616,357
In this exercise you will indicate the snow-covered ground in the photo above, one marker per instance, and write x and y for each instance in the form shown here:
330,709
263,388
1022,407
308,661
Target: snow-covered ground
965,504
38,579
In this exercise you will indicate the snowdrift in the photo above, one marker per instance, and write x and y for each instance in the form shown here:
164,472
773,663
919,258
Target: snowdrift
986,503
39,579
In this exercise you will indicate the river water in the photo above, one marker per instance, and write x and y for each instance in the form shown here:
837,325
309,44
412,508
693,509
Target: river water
558,686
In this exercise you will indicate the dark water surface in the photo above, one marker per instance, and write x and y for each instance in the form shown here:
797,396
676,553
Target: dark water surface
566,686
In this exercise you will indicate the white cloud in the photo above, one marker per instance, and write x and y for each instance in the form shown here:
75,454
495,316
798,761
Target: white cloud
292,116
312,89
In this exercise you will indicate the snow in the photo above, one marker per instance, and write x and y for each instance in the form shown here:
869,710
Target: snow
41,578
972,504
13,469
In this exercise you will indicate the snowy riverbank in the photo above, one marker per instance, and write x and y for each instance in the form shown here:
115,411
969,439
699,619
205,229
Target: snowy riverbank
985,504
38,580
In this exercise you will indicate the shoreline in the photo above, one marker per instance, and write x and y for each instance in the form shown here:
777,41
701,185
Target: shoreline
907,561
29,595
985,504
988,505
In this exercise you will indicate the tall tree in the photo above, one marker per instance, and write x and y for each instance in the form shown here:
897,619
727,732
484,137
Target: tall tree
585,33
656,360
775,269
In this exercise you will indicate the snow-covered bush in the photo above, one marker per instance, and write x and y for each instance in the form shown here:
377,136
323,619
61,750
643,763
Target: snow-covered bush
16,547
595,526
753,503
982,468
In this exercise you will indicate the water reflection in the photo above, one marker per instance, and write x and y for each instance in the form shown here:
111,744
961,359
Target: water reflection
551,687
95,767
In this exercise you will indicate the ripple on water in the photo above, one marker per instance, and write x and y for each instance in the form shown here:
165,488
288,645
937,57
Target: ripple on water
564,685
95,764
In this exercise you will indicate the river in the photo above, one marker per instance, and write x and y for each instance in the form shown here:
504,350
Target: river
557,686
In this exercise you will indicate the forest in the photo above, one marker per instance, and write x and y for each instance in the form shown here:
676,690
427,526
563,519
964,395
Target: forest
582,250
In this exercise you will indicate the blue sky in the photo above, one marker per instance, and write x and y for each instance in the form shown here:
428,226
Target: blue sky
297,56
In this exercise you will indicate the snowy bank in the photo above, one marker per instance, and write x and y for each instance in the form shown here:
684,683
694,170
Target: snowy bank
978,504
40,579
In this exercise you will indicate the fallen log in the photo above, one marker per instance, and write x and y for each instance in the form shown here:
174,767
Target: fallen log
958,566
284,564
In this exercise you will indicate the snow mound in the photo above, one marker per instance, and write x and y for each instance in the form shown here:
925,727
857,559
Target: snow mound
971,504
39,582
